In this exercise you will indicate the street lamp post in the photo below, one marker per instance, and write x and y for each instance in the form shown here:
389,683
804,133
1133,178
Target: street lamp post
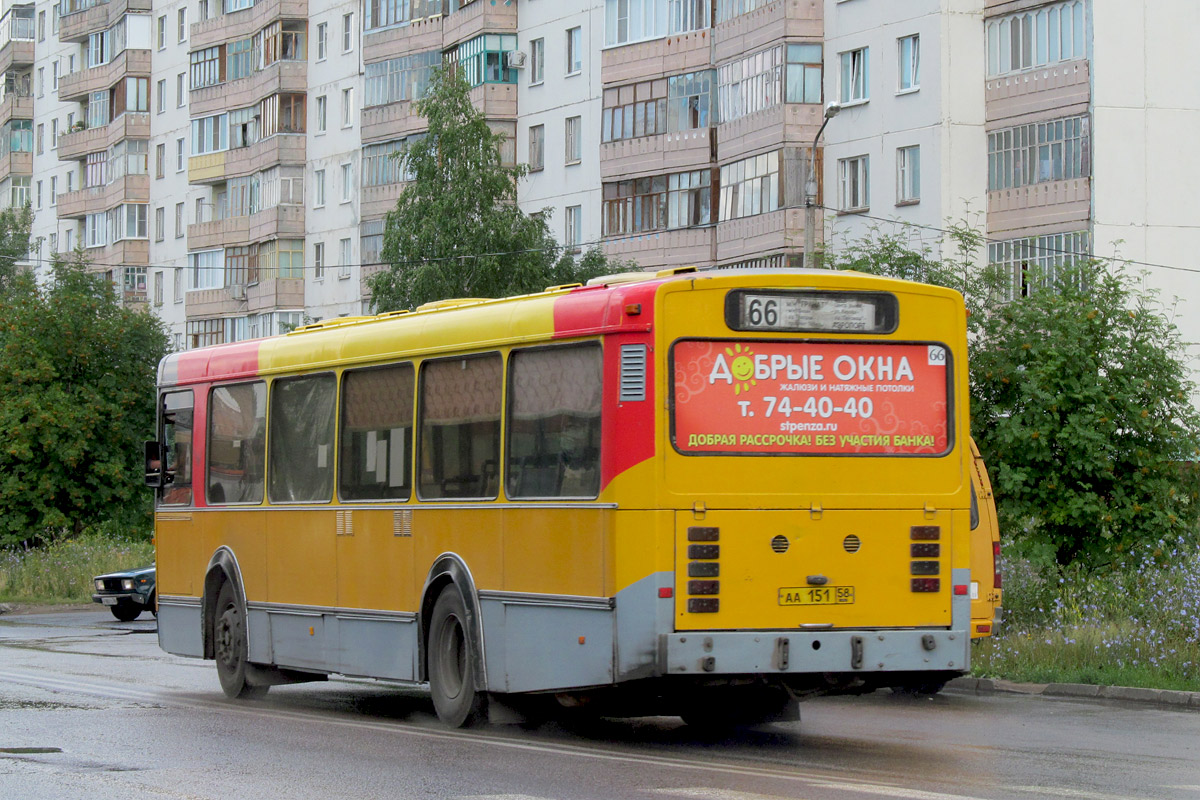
810,189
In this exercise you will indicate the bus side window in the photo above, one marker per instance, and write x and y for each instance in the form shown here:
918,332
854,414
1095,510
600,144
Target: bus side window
300,449
554,422
176,434
237,424
460,427
376,439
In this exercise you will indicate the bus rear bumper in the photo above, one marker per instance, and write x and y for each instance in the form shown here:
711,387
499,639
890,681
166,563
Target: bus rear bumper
700,653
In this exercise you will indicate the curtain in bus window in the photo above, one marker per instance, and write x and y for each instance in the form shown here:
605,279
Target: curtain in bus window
301,441
177,436
237,426
376,440
460,427
554,422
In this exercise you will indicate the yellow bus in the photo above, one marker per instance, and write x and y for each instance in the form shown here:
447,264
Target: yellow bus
703,493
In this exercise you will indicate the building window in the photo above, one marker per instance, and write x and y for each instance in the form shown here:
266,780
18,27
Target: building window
908,174
179,155
182,24
208,67
399,79
318,260
751,186
908,53
162,32
854,183
804,73
41,135
347,32
158,286
54,75
1035,262
322,41
384,164
53,134
574,51
347,181
639,109
347,107
322,114
20,191
346,258
574,228
160,226
574,140
95,170
750,84
537,58
180,96
160,160
53,191
160,92
241,58
1037,37
1039,152
39,201
628,21
679,200
689,199
690,101
319,188
856,76
484,59
41,26
537,147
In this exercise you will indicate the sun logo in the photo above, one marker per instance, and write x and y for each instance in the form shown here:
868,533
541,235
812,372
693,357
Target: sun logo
742,367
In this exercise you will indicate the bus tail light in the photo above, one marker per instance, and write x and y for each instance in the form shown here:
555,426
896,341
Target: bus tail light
961,590
926,584
996,564
666,592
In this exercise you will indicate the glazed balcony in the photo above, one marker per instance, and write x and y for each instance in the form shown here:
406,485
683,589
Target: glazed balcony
282,148
790,124
390,121
127,252
416,37
77,144
16,107
655,155
271,223
1060,89
16,164
93,199
762,235
496,100
78,25
481,16
375,201
656,58
207,303
273,293
766,25
16,53
675,248
77,85
241,24
1066,202
282,76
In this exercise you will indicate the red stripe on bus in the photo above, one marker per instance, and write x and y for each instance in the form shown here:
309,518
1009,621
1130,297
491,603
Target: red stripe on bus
238,360
596,309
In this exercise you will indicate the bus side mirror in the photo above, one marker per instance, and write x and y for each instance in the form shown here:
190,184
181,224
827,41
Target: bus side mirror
156,459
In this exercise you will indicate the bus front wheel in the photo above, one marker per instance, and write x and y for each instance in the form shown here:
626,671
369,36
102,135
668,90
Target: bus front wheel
451,662
229,638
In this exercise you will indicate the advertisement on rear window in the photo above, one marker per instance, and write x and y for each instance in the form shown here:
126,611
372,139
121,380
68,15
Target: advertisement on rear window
810,398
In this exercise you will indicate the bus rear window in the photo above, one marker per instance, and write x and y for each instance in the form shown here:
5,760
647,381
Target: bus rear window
760,397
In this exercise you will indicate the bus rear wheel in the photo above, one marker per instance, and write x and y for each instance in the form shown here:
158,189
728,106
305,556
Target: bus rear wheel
230,647
452,664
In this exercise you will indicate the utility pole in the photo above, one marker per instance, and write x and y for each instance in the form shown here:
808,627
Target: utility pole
810,190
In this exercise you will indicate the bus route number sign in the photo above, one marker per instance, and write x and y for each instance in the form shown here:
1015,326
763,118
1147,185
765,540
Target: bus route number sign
816,595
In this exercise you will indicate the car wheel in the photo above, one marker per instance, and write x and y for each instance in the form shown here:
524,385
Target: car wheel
126,611
230,647
451,662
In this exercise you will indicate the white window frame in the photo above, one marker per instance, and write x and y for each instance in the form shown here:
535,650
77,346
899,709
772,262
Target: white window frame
318,260
347,181
574,51
854,184
319,188
908,175
345,258
322,41
537,148
573,140
348,32
348,107
182,24
537,62
854,76
908,64
322,113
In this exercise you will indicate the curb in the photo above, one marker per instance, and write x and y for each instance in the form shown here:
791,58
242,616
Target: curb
1162,697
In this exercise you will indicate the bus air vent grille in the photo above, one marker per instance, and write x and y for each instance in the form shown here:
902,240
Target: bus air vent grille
851,543
779,544
402,522
633,372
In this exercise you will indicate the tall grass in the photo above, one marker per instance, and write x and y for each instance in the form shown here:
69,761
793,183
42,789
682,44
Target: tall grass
63,572
1136,624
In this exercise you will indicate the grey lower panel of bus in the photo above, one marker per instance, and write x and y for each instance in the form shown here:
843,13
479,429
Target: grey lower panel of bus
179,626
375,644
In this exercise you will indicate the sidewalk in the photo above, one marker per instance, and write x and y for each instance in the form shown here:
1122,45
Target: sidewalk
1163,697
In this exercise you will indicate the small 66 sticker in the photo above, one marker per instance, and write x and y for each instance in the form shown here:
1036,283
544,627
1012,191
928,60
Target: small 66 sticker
937,355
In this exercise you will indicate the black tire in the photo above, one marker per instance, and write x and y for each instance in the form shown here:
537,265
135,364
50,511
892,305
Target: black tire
451,662
126,610
153,605
230,647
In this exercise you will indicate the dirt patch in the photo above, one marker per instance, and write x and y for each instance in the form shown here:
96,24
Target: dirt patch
12,609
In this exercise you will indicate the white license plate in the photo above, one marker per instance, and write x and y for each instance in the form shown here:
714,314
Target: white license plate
108,601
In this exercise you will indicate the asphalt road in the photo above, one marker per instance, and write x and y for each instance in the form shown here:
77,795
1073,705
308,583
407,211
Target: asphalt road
91,708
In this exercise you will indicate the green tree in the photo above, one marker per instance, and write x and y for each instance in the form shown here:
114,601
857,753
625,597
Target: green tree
1080,398
77,376
14,242
456,230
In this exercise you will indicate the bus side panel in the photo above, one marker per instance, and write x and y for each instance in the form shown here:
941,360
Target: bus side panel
301,561
546,644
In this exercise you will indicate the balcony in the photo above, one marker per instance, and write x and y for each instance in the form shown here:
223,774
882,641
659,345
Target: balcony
496,100
241,24
676,248
16,164
766,25
282,76
77,85
375,201
282,148
790,124
16,53
656,58
100,16
391,121
127,252
271,223
273,293
416,37
761,235
93,199
15,107
77,144
1063,89
478,18
1066,202
655,155
207,303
